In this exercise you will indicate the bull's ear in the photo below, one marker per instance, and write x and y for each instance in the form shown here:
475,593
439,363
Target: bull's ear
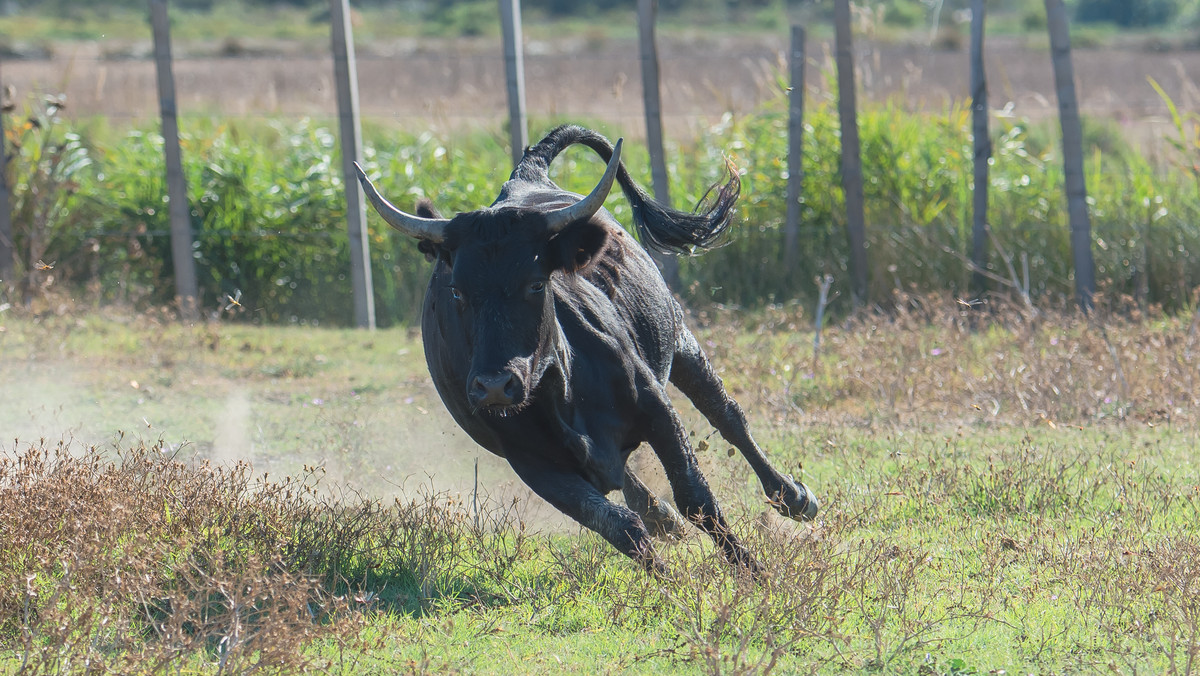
432,251
425,209
575,246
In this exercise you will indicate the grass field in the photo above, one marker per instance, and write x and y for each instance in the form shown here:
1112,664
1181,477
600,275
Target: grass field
1003,490
1021,496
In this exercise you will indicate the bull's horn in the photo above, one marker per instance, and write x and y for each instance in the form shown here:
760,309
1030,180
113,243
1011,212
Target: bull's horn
584,209
430,229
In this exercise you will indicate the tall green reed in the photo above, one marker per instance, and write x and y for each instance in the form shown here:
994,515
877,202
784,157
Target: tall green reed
268,213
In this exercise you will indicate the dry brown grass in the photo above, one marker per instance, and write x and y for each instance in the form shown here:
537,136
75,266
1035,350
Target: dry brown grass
461,81
938,360
101,556
140,563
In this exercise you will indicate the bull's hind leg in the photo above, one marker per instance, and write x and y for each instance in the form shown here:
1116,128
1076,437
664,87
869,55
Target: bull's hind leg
694,498
572,495
660,518
692,373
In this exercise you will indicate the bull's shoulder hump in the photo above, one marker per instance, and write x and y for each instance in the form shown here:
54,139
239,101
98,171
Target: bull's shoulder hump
521,194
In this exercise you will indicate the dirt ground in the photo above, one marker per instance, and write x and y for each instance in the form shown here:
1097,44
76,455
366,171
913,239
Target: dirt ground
445,85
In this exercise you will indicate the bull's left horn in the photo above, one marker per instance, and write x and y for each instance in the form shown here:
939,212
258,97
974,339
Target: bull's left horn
429,229
584,209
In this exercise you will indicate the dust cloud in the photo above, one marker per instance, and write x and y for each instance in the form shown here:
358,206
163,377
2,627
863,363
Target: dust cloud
231,438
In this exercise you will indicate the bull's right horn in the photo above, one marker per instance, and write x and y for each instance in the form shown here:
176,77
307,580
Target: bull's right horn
429,229
584,209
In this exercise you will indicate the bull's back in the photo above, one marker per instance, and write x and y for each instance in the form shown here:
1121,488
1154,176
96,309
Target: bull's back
641,301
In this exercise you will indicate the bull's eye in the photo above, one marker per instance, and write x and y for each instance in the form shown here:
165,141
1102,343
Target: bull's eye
455,293
537,287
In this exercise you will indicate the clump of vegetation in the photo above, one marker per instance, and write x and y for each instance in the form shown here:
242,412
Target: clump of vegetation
1130,13
51,160
142,562
268,214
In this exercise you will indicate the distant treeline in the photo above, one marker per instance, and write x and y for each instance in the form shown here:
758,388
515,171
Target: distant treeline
1125,13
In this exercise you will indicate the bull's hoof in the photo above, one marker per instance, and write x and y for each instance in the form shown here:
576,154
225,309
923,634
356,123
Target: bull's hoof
795,501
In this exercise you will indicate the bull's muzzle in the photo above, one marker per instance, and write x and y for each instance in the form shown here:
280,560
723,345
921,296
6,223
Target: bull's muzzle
494,390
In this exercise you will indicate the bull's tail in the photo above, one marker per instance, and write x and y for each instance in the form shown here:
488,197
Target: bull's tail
660,227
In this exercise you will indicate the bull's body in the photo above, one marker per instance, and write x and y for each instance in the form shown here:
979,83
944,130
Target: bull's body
553,349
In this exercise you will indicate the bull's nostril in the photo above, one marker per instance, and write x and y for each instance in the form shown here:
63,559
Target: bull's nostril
497,389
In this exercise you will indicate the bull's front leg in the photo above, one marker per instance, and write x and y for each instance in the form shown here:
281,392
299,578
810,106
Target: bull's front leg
693,497
572,495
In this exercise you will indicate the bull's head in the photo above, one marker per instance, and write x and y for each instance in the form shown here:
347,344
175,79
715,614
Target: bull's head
498,297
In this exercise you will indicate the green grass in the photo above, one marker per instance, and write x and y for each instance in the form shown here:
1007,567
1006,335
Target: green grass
1059,539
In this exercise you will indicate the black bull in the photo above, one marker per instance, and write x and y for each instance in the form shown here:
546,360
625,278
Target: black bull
551,336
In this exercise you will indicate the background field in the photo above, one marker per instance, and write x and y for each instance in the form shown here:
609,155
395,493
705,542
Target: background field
448,85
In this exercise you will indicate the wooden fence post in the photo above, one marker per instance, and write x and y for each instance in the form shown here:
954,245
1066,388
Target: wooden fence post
7,263
187,294
1072,138
653,102
983,150
852,177
345,74
654,132
514,72
795,184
